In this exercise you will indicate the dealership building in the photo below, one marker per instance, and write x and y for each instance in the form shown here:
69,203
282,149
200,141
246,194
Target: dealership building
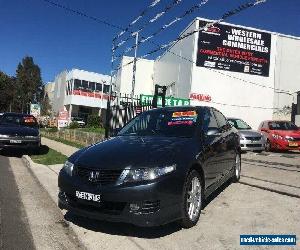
80,92
244,72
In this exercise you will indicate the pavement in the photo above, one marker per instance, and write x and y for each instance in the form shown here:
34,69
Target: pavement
266,201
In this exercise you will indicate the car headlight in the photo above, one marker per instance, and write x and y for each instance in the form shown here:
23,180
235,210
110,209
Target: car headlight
31,136
4,136
68,168
289,138
277,137
144,174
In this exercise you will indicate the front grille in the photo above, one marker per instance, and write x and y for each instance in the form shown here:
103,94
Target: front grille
103,176
253,138
253,145
150,207
295,139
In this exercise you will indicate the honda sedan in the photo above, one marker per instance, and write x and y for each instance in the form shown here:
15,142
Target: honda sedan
159,168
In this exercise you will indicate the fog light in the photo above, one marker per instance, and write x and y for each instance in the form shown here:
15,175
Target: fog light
134,207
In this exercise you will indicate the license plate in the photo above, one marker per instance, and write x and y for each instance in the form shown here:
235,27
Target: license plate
15,141
88,196
293,144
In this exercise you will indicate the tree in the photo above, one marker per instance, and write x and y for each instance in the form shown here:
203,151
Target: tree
45,105
7,92
29,83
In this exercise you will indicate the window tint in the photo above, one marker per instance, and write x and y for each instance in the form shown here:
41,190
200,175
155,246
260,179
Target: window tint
209,121
220,119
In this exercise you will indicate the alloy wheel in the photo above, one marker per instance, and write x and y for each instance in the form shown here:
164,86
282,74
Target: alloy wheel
194,199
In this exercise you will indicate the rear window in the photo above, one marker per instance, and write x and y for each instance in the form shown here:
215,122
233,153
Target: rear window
11,119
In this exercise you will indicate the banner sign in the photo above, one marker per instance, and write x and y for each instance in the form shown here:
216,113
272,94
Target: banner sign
226,47
170,101
35,110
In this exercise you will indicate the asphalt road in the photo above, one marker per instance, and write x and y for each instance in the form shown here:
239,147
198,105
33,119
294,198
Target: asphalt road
14,229
29,219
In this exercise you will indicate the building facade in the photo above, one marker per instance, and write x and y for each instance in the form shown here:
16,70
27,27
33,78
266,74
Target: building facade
81,93
244,72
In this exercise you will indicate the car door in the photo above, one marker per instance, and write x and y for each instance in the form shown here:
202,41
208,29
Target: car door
212,148
227,143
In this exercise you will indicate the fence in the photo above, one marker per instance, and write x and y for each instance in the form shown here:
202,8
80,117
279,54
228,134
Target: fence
75,135
124,108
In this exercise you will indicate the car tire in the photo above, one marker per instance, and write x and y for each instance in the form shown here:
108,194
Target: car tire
268,146
192,200
237,168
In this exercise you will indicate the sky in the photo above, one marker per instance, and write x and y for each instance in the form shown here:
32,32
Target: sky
59,40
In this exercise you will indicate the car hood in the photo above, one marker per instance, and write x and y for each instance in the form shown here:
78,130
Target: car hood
131,151
292,133
249,133
18,131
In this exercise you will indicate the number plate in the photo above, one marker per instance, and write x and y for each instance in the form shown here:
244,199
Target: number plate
293,144
15,141
88,196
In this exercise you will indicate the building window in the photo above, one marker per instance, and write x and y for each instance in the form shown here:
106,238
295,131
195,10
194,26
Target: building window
92,86
106,89
98,87
77,84
85,85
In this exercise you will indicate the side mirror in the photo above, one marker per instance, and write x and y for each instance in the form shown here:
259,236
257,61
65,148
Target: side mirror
213,132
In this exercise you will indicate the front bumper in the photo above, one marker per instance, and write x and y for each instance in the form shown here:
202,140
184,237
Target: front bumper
252,145
159,202
285,145
20,143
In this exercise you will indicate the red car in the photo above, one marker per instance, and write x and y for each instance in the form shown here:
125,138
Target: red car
280,135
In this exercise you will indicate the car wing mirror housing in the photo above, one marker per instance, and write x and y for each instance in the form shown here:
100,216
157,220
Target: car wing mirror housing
213,132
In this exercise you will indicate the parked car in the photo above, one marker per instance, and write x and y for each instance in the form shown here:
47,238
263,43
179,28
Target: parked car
280,135
250,139
159,168
19,131
80,121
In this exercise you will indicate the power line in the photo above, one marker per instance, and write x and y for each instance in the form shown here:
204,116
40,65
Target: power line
82,14
165,26
153,4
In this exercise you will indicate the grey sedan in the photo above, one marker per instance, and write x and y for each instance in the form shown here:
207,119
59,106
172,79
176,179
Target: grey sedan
250,139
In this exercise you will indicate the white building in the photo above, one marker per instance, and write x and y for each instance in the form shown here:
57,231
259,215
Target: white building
80,92
241,71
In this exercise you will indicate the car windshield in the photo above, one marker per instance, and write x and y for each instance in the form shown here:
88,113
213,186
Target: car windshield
282,125
11,119
162,123
238,124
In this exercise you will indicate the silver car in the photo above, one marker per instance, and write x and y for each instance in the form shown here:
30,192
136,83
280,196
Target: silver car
250,140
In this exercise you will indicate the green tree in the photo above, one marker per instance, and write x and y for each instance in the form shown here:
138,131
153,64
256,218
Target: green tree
7,92
45,105
29,83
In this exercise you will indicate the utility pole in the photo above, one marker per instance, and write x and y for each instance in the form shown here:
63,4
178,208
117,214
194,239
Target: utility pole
136,34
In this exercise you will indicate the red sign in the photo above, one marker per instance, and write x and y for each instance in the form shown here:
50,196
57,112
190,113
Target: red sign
63,115
200,97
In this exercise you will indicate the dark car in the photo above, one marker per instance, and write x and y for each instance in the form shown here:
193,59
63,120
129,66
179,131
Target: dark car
19,131
159,168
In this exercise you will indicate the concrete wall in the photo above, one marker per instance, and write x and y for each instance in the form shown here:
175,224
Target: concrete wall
59,91
177,68
143,78
287,76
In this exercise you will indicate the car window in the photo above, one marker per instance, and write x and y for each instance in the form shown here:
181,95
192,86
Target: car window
209,121
222,122
12,119
178,123
282,125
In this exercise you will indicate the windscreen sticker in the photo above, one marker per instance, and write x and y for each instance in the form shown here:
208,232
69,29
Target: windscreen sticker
191,113
172,123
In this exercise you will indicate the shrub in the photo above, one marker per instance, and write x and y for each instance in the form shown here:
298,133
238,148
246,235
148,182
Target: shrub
52,130
73,125
94,121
